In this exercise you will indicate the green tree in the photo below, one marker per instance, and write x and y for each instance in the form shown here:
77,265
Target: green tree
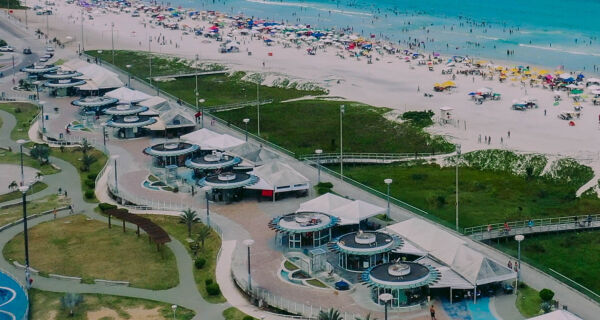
368,317
85,146
86,161
13,185
70,301
40,152
331,314
546,295
189,217
203,234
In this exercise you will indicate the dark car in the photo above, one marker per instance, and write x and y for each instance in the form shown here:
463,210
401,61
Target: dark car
26,51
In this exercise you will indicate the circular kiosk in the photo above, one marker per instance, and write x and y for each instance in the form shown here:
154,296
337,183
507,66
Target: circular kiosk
211,162
170,153
126,118
304,229
59,75
358,251
94,103
38,70
227,186
407,282
63,87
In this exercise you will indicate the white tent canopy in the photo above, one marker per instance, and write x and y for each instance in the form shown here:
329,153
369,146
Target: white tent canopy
101,82
253,154
279,177
557,315
325,203
126,95
199,136
221,142
356,211
449,279
472,265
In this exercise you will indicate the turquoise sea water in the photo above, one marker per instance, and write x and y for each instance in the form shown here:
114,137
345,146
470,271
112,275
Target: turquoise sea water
542,32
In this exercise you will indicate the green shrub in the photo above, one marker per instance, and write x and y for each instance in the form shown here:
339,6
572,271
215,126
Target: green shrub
419,119
92,176
175,189
546,295
213,289
208,281
106,206
90,184
247,318
325,185
199,263
89,194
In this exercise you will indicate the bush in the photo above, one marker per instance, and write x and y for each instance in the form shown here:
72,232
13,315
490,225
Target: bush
89,194
325,185
18,110
208,281
175,189
92,176
247,318
90,184
106,206
199,263
420,119
213,289
546,295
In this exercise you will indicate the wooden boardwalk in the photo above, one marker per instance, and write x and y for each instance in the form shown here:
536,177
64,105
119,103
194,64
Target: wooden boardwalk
192,74
382,158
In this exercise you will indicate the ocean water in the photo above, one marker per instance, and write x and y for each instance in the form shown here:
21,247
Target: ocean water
551,33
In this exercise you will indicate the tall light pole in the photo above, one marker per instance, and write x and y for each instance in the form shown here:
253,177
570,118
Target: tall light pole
42,103
12,55
519,238
457,163
196,76
258,105
174,308
47,27
104,134
150,58
386,298
82,39
342,110
100,56
21,142
206,191
115,157
248,243
112,41
318,152
388,181
246,120
201,101
24,190
128,74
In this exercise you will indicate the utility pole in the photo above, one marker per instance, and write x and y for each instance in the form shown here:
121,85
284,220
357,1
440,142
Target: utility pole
342,110
457,161
150,58
112,40
82,41
258,104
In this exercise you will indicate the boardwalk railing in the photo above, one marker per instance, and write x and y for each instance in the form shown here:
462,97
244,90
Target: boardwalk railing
355,157
234,106
498,230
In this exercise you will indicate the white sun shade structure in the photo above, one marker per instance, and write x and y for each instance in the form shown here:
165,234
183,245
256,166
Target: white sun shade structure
279,177
325,203
252,154
348,211
449,249
221,142
102,81
199,136
557,315
126,95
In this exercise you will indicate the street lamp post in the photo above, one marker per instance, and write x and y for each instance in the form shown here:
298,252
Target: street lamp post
457,162
104,134
342,110
12,55
258,106
24,190
388,182
201,101
82,41
21,142
519,238
112,41
246,120
196,76
174,308
207,190
248,243
386,298
318,152
99,57
115,157
128,75
42,103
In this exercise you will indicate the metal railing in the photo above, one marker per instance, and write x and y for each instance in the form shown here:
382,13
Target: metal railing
234,106
540,225
351,157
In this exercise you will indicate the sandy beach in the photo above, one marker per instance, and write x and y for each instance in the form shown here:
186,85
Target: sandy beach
387,82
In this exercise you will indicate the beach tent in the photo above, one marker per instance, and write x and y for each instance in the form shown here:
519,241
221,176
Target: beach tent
278,177
199,136
557,315
126,95
325,203
252,154
454,252
356,211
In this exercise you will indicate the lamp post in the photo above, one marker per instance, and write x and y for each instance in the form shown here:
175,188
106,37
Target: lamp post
246,120
42,103
24,190
196,76
12,55
128,75
99,57
386,298
342,110
112,41
248,243
174,308
115,157
258,105
201,101
388,181
37,89
82,41
21,142
104,134
318,152
519,238
207,190
457,161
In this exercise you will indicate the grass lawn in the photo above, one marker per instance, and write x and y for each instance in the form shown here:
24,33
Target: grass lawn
15,158
73,156
316,283
575,255
14,213
528,302
303,126
235,314
210,251
24,113
75,246
46,305
290,266
486,196
37,187
12,4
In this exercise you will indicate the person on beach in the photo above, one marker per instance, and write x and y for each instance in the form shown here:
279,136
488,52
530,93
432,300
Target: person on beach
432,313
54,213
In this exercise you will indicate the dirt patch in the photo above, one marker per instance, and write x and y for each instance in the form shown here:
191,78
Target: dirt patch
103,313
135,313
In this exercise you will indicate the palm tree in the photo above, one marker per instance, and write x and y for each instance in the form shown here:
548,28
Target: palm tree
85,146
87,161
40,152
13,185
331,314
203,234
70,300
368,317
189,217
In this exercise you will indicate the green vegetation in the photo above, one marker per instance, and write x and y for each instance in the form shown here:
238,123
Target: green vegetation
47,305
14,213
419,119
306,125
486,196
24,113
234,314
324,187
12,4
37,187
15,158
76,246
316,283
547,251
209,252
290,266
528,302
76,157
2,42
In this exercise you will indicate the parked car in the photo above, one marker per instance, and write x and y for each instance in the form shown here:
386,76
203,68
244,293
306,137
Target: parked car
49,49
26,51
7,49
44,59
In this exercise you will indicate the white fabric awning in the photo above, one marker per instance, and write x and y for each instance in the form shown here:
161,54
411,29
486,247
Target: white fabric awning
222,142
557,315
126,95
356,211
279,177
199,136
449,278
325,203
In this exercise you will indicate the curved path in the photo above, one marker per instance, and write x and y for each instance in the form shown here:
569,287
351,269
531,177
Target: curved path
184,294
